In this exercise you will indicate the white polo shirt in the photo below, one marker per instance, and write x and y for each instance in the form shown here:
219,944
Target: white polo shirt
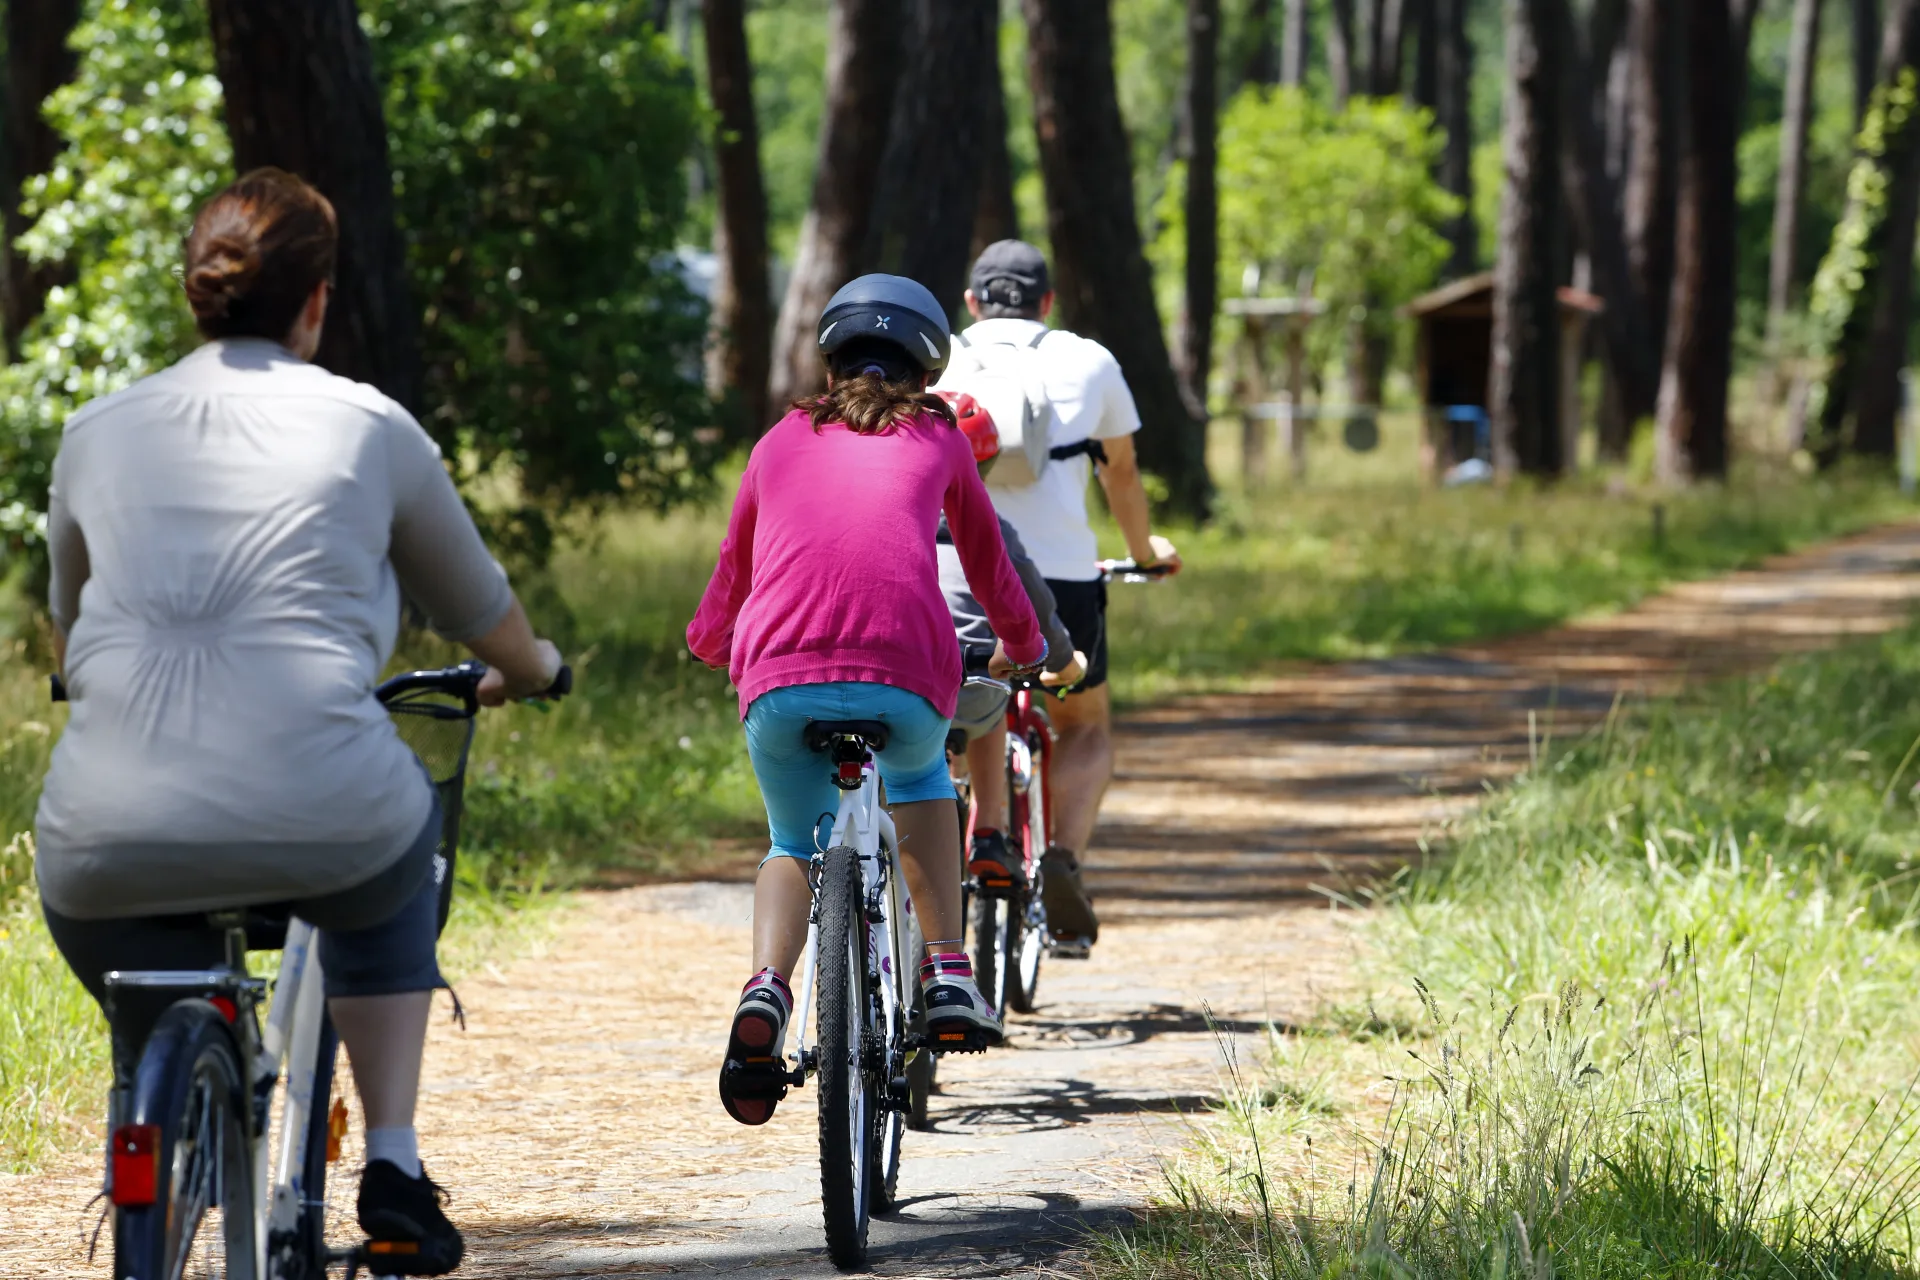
1090,402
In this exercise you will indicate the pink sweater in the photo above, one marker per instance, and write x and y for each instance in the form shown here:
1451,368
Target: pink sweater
828,570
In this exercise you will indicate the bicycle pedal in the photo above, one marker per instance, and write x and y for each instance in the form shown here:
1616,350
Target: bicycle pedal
762,1079
1074,950
969,1040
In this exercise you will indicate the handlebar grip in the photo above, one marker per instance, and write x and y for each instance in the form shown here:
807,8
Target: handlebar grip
562,685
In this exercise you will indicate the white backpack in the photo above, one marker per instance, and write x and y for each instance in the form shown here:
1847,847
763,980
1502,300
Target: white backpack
1009,381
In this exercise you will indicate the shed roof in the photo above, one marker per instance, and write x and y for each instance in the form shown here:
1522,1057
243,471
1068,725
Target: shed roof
1473,296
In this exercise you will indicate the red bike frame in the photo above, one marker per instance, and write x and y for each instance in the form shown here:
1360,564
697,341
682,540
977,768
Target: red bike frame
1027,722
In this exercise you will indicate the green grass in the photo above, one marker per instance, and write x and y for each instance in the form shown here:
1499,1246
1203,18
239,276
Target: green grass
1652,1011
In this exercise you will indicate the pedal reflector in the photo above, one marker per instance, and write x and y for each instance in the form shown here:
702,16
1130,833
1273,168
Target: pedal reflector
392,1246
336,1129
136,1165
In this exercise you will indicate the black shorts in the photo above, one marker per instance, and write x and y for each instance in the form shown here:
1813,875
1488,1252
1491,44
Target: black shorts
1082,606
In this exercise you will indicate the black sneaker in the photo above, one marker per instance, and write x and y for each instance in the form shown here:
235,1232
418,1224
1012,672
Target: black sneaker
1070,917
407,1234
753,1076
996,866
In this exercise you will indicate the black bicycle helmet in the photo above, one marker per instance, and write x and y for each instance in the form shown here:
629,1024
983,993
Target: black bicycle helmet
891,309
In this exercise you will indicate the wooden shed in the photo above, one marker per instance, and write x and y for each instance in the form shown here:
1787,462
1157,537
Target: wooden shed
1453,366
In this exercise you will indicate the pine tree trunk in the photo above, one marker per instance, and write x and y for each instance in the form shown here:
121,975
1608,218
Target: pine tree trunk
1264,56
1101,278
1692,440
1294,44
1863,385
1426,66
1525,390
863,64
943,119
1342,53
1653,42
300,93
38,62
1865,30
1796,120
1383,23
1594,206
741,345
994,217
1454,73
1195,340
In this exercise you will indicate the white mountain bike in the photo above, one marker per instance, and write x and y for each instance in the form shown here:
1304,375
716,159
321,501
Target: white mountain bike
221,1129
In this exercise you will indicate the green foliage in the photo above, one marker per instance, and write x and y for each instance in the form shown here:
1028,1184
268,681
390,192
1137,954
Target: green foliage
1348,195
1839,286
146,145
540,149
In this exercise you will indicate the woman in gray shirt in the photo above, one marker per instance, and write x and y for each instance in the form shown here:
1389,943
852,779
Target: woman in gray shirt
230,542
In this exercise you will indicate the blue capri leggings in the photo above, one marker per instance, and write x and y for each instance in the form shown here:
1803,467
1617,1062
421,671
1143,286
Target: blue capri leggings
797,783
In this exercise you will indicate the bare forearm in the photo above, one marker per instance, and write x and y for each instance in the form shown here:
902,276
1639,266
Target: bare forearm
511,648
1127,500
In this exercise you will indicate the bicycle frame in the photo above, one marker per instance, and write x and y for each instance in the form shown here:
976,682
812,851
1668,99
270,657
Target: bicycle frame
865,826
292,1037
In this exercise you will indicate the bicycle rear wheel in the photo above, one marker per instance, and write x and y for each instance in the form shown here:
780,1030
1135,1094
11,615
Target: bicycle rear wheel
993,921
848,1096
1027,943
190,1109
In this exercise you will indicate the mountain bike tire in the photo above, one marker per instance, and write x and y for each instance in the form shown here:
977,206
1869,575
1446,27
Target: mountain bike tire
201,1224
847,1092
1028,944
988,947
922,1070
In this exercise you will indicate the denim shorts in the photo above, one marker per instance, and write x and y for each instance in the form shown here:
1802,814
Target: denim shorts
797,784
377,938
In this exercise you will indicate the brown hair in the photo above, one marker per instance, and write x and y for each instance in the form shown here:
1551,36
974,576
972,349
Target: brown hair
886,392
255,254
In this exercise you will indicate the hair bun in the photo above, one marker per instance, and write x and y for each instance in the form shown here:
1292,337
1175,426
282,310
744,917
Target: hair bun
226,269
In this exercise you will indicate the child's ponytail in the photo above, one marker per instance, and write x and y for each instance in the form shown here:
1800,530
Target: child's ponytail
874,388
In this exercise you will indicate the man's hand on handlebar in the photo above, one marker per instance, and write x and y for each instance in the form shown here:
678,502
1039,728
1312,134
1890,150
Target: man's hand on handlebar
1165,556
497,688
1072,674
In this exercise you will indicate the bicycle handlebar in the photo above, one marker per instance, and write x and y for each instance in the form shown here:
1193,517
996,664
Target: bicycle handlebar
977,673
1132,571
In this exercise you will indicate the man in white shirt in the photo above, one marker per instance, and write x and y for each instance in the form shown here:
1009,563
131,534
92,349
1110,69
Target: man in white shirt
1093,420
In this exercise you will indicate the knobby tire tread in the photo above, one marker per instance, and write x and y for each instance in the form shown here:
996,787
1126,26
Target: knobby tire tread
841,914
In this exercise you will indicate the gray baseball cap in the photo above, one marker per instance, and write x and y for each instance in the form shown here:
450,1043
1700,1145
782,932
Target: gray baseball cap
1011,273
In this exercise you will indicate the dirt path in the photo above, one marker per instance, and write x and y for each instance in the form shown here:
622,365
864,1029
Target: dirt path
576,1119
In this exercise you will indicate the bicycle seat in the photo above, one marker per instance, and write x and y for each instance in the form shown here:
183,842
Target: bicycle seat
821,733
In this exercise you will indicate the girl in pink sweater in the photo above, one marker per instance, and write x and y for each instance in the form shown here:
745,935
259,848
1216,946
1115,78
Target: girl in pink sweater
826,605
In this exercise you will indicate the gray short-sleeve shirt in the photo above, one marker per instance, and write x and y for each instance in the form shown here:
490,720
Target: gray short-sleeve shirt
230,539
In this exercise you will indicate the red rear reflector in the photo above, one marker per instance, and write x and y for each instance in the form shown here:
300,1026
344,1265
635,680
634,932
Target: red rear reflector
850,773
227,1008
136,1165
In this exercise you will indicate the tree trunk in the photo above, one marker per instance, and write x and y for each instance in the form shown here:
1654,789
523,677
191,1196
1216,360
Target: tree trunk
995,216
1692,440
1796,120
1651,192
1863,385
942,121
1294,44
1526,325
300,94
1454,90
1594,206
1263,57
1341,51
863,64
1375,46
38,62
1426,67
1101,278
1865,30
1195,340
741,345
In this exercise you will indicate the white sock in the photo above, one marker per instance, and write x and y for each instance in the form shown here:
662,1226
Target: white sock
399,1146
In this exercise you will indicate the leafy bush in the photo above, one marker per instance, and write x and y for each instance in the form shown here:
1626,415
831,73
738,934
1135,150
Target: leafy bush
146,145
541,149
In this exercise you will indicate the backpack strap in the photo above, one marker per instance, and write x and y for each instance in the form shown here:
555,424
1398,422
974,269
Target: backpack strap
1039,338
961,338
1089,448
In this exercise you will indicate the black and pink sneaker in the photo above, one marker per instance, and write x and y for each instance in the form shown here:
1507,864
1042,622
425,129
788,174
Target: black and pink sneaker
753,1078
959,1019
